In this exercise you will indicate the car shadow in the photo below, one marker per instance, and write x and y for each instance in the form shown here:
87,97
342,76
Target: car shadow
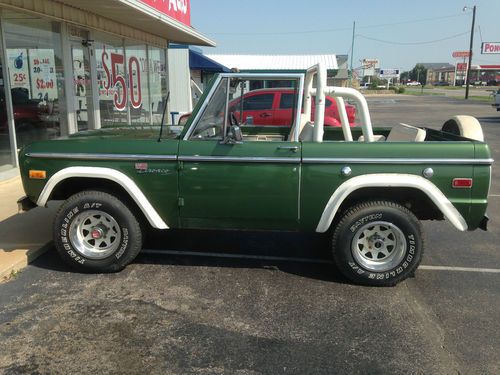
301,254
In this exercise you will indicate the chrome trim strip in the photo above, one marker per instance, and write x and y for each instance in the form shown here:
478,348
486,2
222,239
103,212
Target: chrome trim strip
396,161
243,159
91,156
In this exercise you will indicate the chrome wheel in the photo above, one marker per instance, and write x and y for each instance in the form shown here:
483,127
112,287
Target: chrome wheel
378,246
95,234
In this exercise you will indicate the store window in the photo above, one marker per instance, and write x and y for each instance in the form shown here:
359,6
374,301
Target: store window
132,81
111,80
157,82
137,76
36,73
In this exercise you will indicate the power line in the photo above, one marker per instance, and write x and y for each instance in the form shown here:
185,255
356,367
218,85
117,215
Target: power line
414,21
412,43
316,31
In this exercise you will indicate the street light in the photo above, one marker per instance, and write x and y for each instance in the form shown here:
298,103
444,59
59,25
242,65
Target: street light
470,49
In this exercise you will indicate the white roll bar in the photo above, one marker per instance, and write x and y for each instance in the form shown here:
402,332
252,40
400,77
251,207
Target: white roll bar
338,93
344,120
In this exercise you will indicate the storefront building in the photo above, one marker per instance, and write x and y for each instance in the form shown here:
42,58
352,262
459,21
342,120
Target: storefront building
73,65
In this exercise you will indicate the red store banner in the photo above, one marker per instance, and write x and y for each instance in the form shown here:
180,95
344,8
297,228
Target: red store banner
179,10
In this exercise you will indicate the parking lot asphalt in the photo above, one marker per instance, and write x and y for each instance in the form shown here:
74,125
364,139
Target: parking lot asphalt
268,303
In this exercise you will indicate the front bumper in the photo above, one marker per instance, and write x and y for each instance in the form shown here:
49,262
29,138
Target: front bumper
25,204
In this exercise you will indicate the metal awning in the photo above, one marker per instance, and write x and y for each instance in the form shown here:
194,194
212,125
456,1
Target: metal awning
142,17
198,61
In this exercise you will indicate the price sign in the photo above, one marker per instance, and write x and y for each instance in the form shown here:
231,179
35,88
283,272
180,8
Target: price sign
117,86
18,68
43,74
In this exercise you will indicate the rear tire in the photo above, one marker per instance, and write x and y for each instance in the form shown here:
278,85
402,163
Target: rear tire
378,243
95,232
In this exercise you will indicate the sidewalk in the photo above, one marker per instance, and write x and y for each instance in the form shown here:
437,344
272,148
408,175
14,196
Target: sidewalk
23,236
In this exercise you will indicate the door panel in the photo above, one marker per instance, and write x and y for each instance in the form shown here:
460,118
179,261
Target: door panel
254,185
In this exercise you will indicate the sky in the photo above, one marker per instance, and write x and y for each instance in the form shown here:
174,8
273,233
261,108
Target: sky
398,33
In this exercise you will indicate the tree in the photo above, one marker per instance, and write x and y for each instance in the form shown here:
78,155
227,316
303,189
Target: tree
419,73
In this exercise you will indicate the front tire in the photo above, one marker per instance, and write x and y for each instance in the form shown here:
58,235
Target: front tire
378,243
95,232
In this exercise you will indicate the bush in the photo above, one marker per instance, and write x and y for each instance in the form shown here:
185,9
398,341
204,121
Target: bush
398,90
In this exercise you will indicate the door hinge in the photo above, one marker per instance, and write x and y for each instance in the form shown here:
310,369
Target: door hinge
181,202
180,166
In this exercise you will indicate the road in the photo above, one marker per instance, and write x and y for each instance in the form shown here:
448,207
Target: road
283,311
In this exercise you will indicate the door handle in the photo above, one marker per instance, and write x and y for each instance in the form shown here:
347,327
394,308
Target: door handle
289,148
265,115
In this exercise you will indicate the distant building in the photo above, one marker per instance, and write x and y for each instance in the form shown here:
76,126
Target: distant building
485,74
336,65
440,72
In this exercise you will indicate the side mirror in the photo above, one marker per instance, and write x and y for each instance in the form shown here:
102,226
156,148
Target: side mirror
234,137
236,133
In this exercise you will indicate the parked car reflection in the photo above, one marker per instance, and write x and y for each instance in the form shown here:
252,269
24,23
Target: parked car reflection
34,119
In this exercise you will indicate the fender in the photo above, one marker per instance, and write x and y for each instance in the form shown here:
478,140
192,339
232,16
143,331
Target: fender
109,174
390,180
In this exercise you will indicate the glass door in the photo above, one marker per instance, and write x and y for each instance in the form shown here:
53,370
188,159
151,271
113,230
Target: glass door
82,83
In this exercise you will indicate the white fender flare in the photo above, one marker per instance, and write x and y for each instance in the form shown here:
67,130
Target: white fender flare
108,174
390,180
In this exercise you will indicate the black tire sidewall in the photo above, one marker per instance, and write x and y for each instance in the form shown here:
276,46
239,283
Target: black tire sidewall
130,241
354,219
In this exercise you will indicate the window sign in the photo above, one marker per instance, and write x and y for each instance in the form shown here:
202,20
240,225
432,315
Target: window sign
43,74
19,68
112,80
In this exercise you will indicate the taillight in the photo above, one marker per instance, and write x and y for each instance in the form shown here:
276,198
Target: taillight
462,183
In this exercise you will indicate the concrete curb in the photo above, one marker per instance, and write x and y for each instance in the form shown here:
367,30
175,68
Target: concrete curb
14,261
23,237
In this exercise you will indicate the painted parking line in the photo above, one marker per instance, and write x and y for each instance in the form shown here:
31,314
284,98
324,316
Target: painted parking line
301,260
459,269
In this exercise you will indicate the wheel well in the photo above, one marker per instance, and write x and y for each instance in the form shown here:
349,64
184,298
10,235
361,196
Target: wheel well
73,185
415,200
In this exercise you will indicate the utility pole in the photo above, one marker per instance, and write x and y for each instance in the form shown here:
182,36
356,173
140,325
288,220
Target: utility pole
470,52
352,53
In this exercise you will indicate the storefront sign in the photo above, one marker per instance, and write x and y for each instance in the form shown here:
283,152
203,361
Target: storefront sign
460,54
19,69
461,67
177,9
389,73
490,48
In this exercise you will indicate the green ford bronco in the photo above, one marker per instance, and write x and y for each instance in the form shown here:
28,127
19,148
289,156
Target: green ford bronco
264,162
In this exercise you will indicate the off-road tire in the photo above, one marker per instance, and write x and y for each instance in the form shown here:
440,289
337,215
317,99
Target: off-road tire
121,239
377,229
